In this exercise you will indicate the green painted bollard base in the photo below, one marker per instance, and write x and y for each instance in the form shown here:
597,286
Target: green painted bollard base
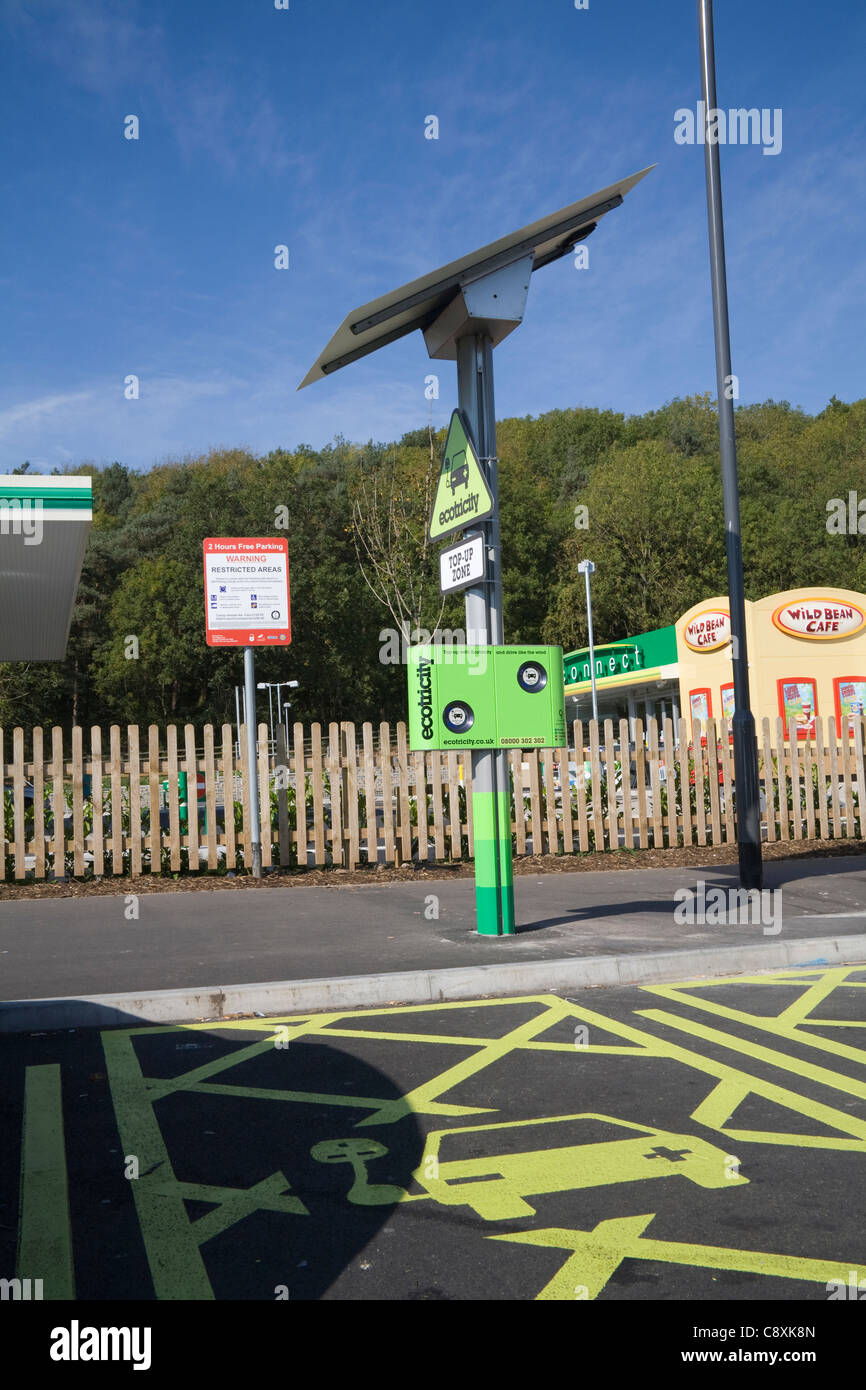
487,910
506,869
494,882
506,903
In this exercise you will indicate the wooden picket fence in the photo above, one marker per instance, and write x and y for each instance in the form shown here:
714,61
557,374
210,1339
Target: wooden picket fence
343,797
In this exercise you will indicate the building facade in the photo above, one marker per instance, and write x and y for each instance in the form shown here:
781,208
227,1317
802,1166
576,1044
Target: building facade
807,660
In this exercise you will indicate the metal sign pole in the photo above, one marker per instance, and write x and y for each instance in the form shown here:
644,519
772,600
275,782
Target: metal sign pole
588,568
252,759
491,801
745,746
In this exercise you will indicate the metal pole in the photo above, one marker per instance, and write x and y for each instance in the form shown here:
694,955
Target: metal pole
252,759
590,569
238,722
491,801
745,745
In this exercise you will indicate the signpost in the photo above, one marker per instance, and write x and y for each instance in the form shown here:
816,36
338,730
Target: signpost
462,495
464,309
246,599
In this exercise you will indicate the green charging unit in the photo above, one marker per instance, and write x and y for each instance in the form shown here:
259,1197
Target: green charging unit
486,697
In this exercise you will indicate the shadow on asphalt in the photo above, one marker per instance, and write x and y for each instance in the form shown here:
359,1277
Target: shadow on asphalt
240,1195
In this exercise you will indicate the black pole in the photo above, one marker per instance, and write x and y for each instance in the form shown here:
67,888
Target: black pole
745,745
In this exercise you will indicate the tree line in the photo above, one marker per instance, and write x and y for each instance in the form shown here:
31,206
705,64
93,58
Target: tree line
640,495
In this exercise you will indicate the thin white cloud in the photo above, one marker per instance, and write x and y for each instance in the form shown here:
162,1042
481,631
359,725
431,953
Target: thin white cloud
34,412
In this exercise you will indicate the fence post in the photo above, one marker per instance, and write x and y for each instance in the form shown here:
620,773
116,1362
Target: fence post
861,775
18,800
115,769
610,766
58,804
403,794
845,735
625,780
335,778
281,771
134,751
38,804
582,828
832,748
98,846
228,765
595,771
318,794
266,833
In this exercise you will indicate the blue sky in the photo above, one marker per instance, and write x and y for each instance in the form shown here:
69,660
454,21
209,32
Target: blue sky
306,127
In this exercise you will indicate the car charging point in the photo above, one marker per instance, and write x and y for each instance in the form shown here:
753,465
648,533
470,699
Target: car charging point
464,310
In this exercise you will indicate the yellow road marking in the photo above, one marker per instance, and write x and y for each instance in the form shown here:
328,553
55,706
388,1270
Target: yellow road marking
599,1252
44,1234
176,1265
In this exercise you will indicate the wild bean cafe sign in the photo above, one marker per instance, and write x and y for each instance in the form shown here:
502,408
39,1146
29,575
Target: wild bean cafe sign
819,619
708,630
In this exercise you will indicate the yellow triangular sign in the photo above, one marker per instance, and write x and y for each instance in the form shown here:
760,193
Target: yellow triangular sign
462,495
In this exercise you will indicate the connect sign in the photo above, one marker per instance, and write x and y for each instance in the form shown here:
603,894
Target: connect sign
609,661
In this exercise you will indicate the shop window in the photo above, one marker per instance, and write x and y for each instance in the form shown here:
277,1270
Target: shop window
849,696
727,696
701,706
798,702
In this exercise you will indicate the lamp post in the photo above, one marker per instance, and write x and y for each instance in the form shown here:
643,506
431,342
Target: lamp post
266,685
586,567
269,686
745,745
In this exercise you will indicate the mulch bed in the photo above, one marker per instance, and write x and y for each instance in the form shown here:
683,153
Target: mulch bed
700,856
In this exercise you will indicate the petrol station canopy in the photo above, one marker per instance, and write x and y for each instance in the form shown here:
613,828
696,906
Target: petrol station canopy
44,524
420,303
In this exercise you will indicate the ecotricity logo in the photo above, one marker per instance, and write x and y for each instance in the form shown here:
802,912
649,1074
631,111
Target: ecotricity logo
425,699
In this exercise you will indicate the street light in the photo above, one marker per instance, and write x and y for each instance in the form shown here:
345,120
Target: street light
587,567
745,745
266,685
278,686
